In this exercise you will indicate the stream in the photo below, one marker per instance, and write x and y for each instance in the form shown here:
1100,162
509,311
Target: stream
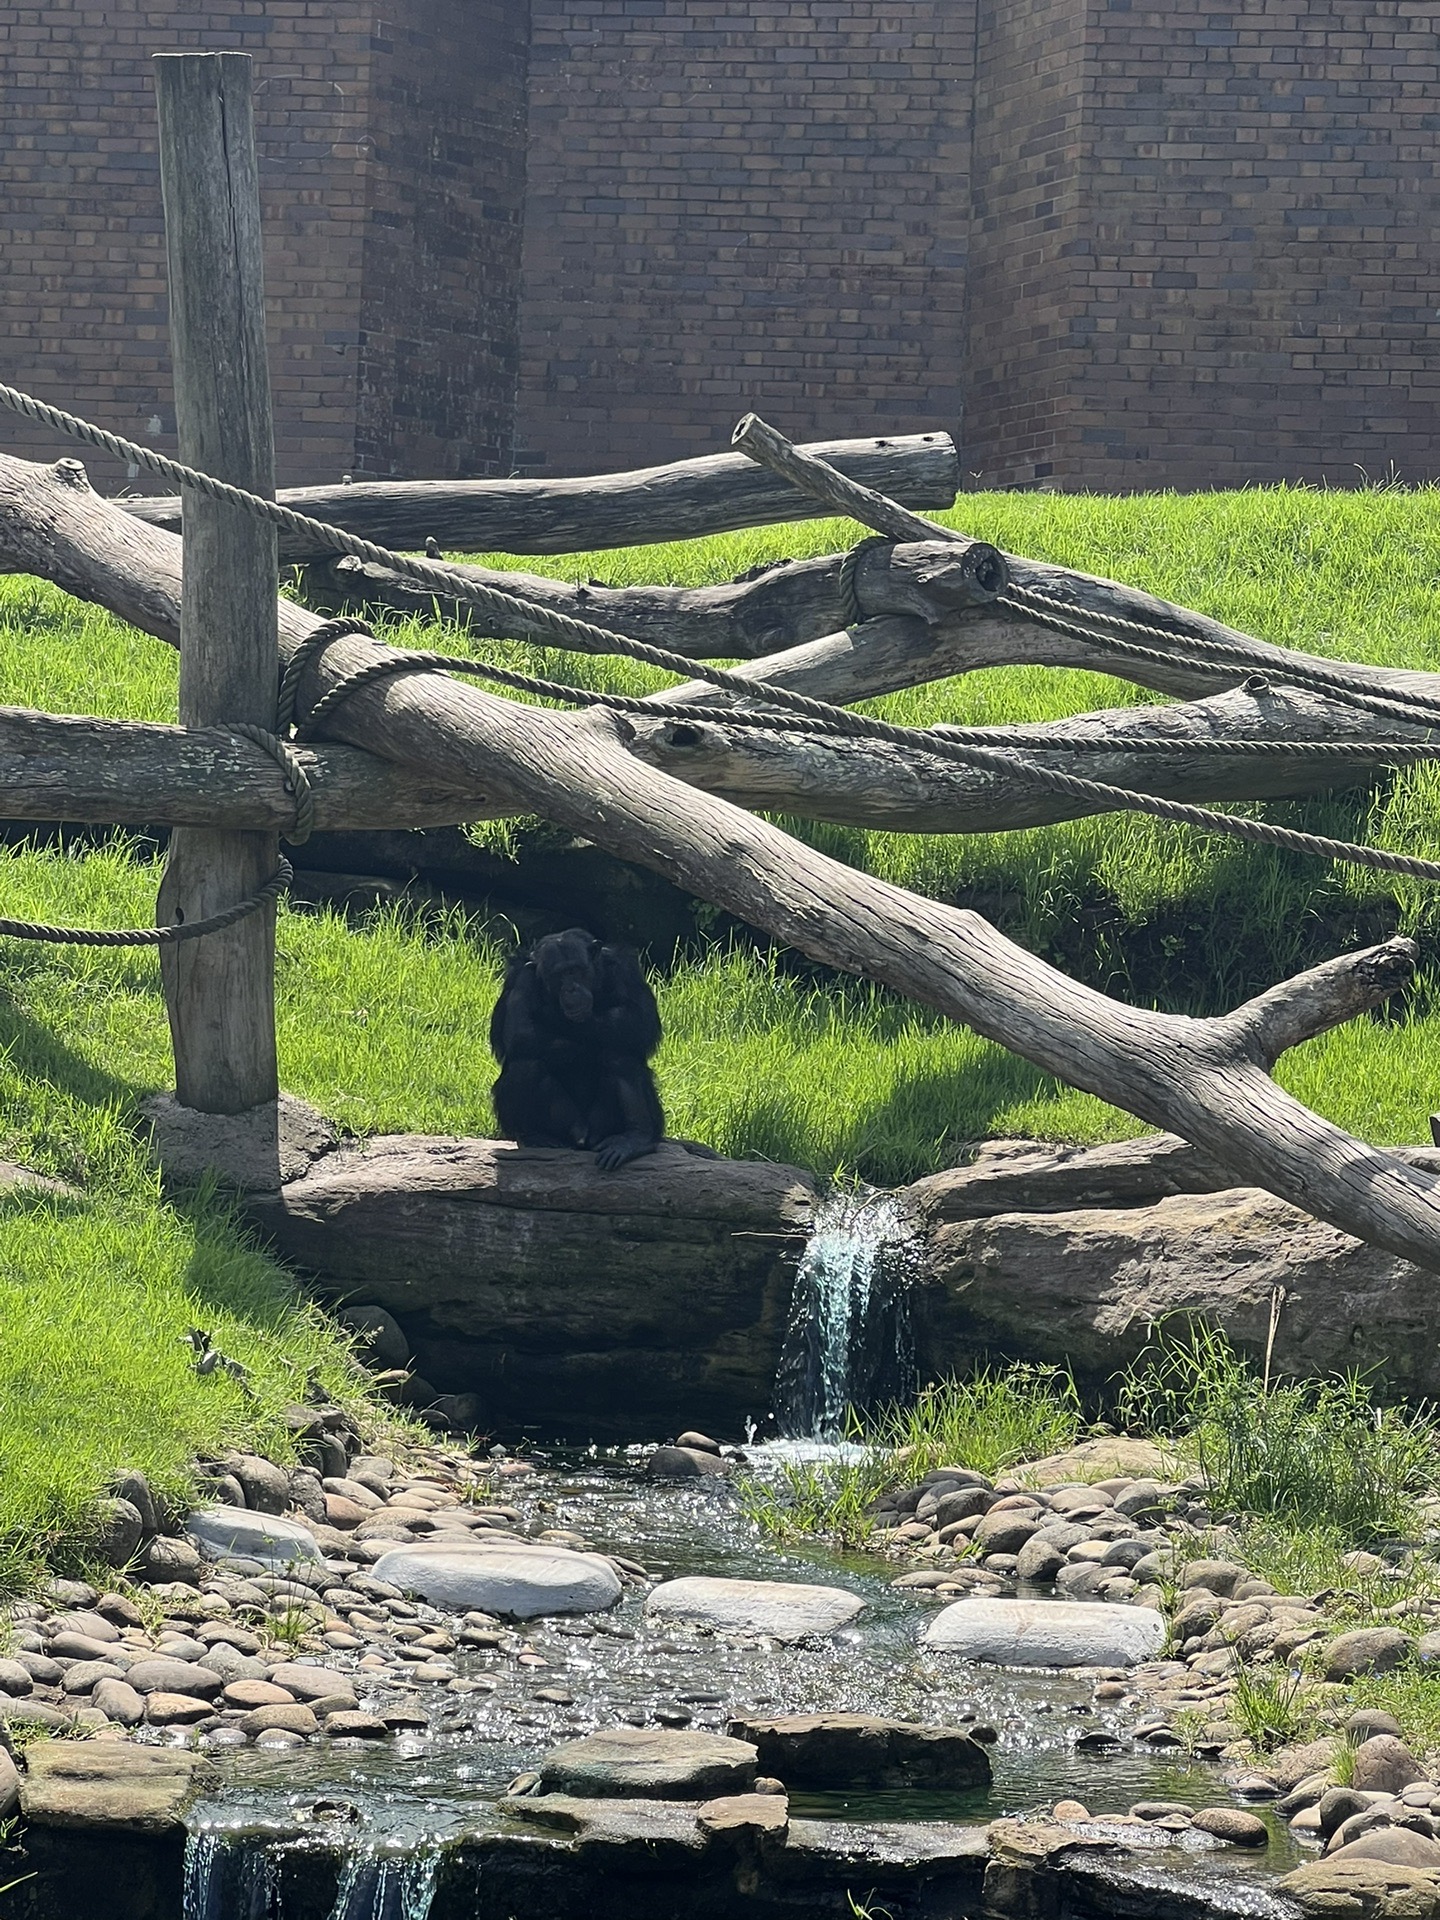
401,1800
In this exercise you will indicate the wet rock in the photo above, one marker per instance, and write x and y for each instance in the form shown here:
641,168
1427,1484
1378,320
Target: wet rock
699,1441
95,1783
630,1761
1361,1889
782,1610
1232,1824
223,1532
1037,1633
758,1817
356,1726
825,1750
1069,1811
1384,1764
1367,1650
519,1579
684,1463
292,1717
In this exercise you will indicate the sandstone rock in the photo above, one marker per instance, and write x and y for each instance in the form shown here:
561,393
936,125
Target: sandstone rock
95,1783
554,1291
292,1717
1336,1889
1039,1633
782,1610
684,1463
1395,1846
1232,1824
120,1702
221,1532
1384,1764
825,1750
313,1684
1083,1286
762,1817
518,1579
1367,1650
256,1693
356,1726
635,1761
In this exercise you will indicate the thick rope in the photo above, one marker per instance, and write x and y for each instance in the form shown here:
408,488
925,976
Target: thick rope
837,720
851,611
153,936
297,780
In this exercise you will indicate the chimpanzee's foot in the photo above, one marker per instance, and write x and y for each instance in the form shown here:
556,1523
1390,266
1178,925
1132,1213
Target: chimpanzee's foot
620,1147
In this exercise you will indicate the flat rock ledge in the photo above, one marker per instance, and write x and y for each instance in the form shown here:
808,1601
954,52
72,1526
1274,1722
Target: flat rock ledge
636,1761
109,1784
821,1751
594,1304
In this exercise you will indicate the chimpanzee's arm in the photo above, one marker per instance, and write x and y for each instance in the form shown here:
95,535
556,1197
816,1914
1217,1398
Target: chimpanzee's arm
627,1020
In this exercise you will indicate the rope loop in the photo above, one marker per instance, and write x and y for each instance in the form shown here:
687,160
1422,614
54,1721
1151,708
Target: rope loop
850,608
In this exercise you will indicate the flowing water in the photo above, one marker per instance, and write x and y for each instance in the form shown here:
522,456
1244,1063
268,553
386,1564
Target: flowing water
849,1341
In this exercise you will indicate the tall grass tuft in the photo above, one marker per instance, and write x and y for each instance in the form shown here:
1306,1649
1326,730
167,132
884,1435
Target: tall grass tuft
1317,1454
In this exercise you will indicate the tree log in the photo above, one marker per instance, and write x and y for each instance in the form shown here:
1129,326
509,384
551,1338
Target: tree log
1207,1080
780,606
715,494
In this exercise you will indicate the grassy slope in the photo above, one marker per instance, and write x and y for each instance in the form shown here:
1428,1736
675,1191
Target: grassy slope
384,1028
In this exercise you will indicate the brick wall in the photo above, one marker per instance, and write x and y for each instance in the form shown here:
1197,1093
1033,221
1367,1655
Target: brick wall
741,205
390,198
442,242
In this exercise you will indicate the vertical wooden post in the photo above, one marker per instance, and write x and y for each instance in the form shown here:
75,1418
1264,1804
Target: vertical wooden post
219,991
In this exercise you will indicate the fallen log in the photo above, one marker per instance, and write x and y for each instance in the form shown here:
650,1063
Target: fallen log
716,494
778,606
1206,1079
134,773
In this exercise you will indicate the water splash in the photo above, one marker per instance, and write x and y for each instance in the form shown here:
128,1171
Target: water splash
228,1879
386,1886
849,1342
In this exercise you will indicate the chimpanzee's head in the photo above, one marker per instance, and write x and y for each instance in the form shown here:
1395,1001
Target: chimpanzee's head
565,964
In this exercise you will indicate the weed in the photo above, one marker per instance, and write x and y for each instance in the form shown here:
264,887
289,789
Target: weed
1270,1705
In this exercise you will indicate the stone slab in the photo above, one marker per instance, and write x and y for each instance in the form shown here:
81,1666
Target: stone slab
626,1761
267,1537
780,1609
104,1783
519,1580
838,1750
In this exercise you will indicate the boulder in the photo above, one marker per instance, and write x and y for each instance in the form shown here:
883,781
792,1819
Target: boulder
255,1151
835,1750
223,1532
779,1609
518,1579
1232,1824
1395,1846
1384,1764
1041,1633
627,1761
589,1303
119,1529
684,1463
108,1783
314,1683
1081,1285
164,1561
157,1674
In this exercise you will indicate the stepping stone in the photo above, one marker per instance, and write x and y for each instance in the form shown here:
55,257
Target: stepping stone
1046,1633
626,1761
223,1531
836,1750
518,1579
781,1609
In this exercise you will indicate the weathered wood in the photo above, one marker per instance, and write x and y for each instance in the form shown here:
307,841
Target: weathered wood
680,501
135,773
779,606
219,992
1207,1080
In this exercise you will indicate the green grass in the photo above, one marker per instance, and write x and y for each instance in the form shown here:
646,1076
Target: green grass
995,1419
383,1025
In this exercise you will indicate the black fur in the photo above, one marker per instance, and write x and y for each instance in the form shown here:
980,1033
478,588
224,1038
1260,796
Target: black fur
573,1030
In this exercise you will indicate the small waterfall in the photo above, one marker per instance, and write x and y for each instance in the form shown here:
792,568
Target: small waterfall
386,1886
228,1879
849,1340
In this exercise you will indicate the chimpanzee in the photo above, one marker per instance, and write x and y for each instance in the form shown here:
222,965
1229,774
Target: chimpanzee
573,1030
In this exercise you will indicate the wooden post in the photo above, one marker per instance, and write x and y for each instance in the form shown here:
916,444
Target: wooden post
219,991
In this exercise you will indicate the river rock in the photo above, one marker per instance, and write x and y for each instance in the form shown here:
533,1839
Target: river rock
779,1609
684,1463
175,1709
628,1761
517,1579
165,1561
120,1527
1367,1650
108,1783
1232,1824
1396,1846
224,1532
1362,1889
159,1675
835,1750
119,1701
1384,1765
314,1684
589,1303
15,1677
1041,1633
